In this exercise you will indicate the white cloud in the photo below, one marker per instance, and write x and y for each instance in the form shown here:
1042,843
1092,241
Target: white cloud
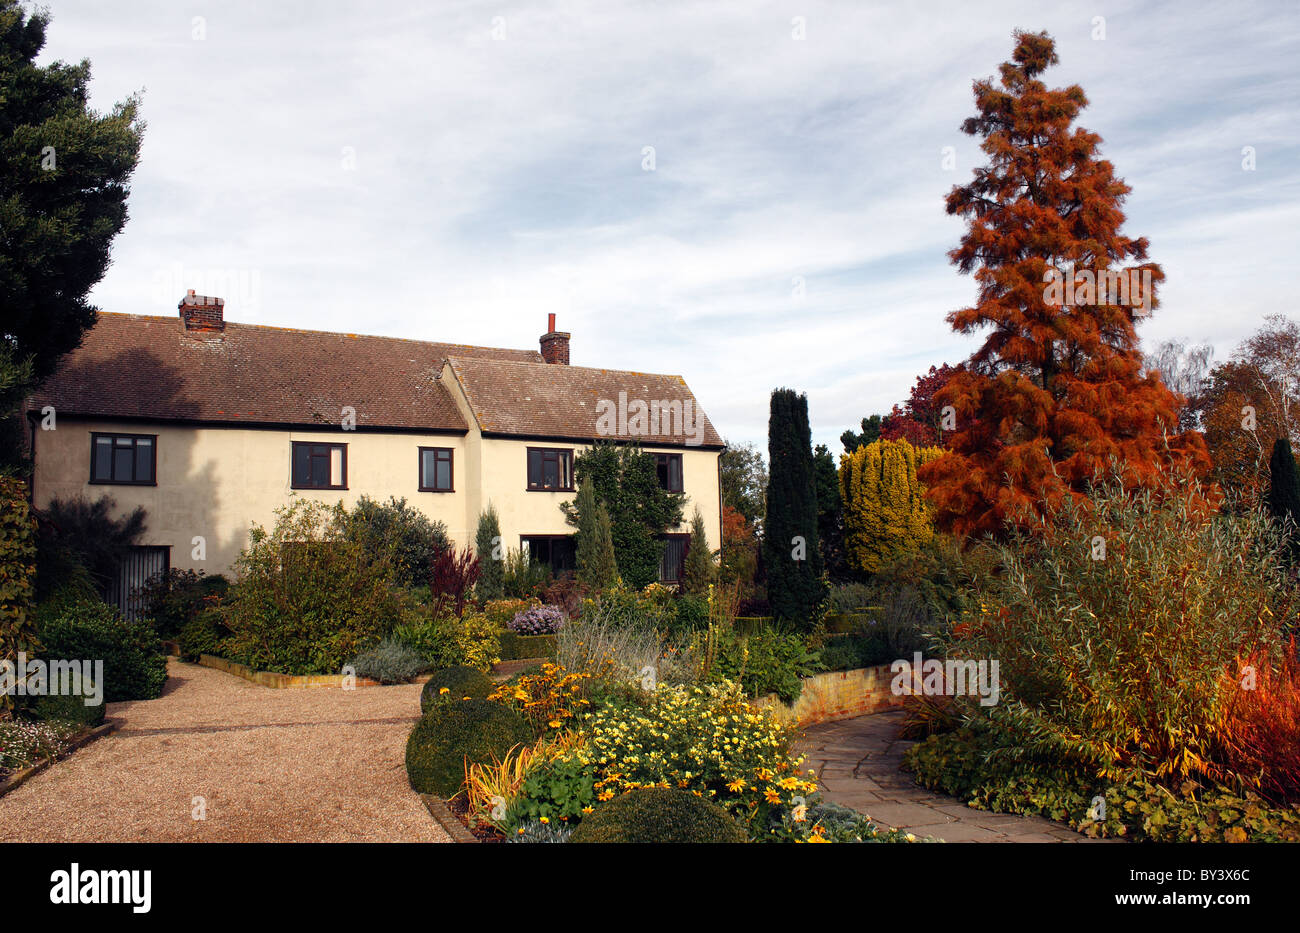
497,180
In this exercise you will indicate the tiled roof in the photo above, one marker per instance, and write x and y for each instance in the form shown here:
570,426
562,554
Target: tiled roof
545,400
135,366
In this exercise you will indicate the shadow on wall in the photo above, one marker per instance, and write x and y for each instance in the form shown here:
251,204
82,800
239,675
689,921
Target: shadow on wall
136,387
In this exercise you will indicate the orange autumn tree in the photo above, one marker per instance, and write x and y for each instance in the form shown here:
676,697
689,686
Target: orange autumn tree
1057,391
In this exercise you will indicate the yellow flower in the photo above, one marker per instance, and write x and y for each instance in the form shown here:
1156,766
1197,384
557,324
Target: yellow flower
442,690
771,796
737,785
587,809
544,820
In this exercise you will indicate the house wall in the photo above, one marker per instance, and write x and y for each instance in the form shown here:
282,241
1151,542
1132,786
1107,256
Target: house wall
504,481
215,481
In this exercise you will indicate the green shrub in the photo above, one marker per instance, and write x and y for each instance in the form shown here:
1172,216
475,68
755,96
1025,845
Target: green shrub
202,635
174,598
17,573
134,665
692,613
408,539
767,661
522,577
855,650
451,734
68,708
474,640
831,822
308,597
487,544
389,662
659,814
978,767
515,647
848,598
459,682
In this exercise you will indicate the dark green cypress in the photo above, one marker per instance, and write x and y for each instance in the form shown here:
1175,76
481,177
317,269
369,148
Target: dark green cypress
1284,493
791,548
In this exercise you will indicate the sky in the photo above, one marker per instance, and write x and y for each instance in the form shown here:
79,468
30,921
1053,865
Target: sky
748,194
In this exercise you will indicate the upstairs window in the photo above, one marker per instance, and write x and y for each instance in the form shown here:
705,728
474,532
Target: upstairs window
435,469
125,459
320,466
669,467
550,468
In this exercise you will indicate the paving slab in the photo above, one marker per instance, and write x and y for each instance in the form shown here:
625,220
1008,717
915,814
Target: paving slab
860,764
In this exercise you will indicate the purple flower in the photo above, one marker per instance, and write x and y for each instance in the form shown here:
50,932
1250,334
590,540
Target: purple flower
543,620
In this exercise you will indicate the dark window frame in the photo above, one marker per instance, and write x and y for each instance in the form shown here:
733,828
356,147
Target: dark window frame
528,470
686,547
293,450
451,468
551,538
681,477
112,460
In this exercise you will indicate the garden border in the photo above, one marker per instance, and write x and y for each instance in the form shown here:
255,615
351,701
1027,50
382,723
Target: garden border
18,778
280,681
450,823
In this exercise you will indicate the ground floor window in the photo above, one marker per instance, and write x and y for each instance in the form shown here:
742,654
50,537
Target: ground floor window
672,565
555,551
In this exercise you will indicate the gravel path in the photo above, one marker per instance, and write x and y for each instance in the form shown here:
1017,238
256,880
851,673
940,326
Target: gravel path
304,765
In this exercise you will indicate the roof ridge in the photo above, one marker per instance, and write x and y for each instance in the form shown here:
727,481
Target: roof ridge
561,367
242,325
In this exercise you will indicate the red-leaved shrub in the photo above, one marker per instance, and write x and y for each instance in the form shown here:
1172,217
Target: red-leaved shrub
1259,737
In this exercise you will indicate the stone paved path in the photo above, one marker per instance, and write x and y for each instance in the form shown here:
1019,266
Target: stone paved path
305,765
858,763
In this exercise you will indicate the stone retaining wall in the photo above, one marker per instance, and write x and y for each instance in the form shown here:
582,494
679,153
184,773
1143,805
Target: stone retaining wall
838,695
273,679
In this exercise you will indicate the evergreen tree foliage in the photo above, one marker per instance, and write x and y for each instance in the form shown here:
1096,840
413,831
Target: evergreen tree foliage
885,513
792,552
491,552
1284,492
63,187
700,569
625,479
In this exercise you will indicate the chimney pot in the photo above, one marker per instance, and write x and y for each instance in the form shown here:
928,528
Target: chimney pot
201,312
555,344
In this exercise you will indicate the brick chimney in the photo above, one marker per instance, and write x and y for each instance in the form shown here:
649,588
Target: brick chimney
199,312
555,344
